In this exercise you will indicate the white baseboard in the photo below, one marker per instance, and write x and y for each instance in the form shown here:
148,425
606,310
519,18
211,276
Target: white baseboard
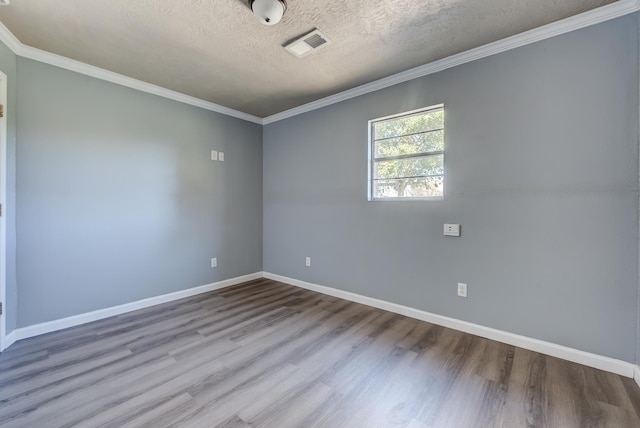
48,327
581,357
9,340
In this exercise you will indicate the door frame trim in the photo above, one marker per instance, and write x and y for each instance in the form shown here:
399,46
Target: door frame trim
3,219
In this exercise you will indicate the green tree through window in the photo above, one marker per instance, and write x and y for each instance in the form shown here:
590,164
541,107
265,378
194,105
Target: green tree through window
407,155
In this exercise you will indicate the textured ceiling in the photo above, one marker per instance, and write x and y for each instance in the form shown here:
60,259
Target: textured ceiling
217,51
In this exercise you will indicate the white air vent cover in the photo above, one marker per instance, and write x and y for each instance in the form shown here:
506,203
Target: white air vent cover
308,43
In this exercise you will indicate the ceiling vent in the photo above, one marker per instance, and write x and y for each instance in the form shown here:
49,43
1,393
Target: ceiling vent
303,46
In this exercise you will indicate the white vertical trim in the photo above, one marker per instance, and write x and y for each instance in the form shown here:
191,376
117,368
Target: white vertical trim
3,219
638,215
601,362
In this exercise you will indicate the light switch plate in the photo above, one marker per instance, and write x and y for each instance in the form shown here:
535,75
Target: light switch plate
214,155
452,230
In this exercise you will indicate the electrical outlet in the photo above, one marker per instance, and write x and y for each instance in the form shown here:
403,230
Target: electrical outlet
214,262
307,261
214,155
462,289
221,156
451,230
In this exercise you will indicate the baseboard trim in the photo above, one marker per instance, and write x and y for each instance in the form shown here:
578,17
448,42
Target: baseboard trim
9,340
75,320
601,362
609,364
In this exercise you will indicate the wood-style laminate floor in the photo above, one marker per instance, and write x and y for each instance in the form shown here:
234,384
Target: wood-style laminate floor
266,354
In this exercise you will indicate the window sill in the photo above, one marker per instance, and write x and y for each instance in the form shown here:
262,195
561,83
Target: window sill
431,198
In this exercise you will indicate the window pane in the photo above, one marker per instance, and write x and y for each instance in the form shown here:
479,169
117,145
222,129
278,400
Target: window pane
407,155
410,144
422,187
411,167
419,122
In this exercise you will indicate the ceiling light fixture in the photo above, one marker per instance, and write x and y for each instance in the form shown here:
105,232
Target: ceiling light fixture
269,12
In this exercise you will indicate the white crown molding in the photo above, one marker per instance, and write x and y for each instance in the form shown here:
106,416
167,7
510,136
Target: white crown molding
9,39
586,19
72,321
592,17
100,73
601,362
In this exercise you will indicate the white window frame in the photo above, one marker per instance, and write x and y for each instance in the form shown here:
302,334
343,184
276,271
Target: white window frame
371,158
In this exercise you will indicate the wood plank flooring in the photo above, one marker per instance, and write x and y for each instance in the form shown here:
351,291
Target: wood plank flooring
266,354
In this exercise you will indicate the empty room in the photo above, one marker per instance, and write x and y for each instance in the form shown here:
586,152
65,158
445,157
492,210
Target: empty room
270,213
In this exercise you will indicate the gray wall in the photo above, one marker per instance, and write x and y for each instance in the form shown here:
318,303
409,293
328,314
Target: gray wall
541,171
118,199
8,67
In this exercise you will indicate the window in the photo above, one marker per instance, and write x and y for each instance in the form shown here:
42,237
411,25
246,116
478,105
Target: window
406,155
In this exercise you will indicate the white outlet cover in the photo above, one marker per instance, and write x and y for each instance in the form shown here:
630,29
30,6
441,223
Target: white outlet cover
221,156
214,262
307,261
214,155
451,229
462,289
